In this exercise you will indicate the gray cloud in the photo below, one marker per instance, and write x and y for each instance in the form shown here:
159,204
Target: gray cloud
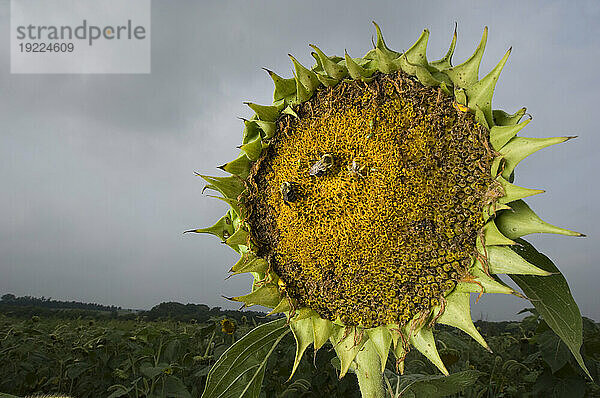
97,170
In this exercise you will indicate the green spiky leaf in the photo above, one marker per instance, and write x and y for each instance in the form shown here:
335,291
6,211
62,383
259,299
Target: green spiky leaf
425,77
385,63
251,130
222,228
513,192
480,94
239,167
500,135
240,237
253,148
249,263
422,339
346,342
467,73
381,43
502,118
523,221
356,71
519,148
327,81
240,370
305,76
266,295
482,283
446,62
283,306
552,298
283,87
322,331
302,93
381,339
457,313
332,69
268,113
304,313
415,55
231,187
493,236
303,333
268,129
502,260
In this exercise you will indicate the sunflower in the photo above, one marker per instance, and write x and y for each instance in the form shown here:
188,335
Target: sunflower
227,326
374,196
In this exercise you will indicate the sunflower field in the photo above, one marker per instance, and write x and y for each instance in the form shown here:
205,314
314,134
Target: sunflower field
126,358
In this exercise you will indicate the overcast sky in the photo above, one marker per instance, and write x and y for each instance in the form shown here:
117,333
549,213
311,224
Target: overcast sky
97,171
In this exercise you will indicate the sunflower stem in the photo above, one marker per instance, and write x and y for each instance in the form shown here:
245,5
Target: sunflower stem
368,371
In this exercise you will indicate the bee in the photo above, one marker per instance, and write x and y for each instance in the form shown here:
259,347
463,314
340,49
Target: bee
355,169
288,193
321,166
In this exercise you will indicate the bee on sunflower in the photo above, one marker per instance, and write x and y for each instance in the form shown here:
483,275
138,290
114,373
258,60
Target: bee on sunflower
374,196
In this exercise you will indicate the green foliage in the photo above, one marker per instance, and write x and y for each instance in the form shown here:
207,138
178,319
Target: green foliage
432,386
115,358
239,372
552,298
119,358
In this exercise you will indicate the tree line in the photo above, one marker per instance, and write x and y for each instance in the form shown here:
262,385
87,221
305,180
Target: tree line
27,306
47,302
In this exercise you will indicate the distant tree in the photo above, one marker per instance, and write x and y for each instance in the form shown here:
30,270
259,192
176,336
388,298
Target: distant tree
8,297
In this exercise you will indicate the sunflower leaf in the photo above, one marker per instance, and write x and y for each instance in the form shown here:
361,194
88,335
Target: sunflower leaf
240,370
419,385
552,298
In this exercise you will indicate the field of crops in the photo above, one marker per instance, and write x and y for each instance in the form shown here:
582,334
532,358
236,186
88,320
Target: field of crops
135,358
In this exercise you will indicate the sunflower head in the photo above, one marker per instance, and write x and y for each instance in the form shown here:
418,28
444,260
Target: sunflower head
227,326
375,195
